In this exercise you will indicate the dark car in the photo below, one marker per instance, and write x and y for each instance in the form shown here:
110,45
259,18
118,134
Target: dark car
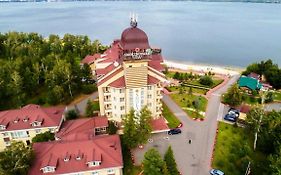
216,172
230,117
234,111
174,131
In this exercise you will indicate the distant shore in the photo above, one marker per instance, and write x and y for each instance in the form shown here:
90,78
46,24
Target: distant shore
203,68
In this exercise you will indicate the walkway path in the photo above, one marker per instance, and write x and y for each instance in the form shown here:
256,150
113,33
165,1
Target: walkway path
194,158
81,105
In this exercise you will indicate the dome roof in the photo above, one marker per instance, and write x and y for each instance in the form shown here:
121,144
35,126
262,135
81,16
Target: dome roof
134,37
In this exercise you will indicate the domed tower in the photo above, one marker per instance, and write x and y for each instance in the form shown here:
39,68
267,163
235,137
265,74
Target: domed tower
134,43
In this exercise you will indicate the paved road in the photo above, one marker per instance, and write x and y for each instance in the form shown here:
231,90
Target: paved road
194,158
81,105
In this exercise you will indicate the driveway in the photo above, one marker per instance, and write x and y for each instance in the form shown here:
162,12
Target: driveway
194,158
81,105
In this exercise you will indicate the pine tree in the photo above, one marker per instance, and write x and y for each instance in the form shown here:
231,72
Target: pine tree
170,161
153,164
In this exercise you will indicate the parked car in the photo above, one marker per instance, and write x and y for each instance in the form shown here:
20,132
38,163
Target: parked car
231,117
216,172
174,131
234,111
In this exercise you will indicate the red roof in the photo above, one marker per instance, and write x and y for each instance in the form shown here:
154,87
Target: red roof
18,119
159,125
116,71
119,83
152,80
254,75
105,70
156,72
107,149
245,108
134,37
90,58
81,129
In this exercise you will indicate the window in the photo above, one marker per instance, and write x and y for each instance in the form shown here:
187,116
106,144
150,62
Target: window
48,169
103,129
149,96
95,173
149,104
122,108
110,171
130,66
19,134
122,99
5,134
131,95
97,129
37,131
149,87
51,129
120,90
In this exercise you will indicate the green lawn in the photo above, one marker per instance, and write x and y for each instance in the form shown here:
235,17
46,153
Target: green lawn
173,121
277,96
186,89
185,101
233,149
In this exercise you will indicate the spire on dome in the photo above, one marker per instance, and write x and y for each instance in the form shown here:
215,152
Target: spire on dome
134,20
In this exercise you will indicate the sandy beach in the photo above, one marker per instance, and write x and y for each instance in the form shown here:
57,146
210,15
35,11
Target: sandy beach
201,68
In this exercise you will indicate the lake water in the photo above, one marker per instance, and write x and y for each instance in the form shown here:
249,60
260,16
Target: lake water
220,33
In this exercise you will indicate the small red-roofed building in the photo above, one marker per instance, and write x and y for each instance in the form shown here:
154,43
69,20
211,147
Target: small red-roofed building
82,129
101,155
25,123
129,75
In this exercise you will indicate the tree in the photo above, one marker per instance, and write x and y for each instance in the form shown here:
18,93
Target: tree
16,159
176,76
137,127
153,164
44,137
130,136
233,96
206,80
112,128
275,163
71,114
254,121
90,108
171,162
144,125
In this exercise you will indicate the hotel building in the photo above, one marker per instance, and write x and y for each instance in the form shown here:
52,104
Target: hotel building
129,75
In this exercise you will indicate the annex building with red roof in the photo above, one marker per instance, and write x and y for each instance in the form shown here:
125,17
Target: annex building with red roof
101,155
129,76
25,123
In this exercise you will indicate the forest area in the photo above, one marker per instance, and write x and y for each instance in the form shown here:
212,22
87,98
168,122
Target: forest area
44,71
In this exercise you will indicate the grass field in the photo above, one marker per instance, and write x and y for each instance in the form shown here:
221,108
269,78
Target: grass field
185,101
173,121
187,89
233,149
277,96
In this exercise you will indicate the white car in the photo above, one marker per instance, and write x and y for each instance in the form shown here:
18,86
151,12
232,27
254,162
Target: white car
216,172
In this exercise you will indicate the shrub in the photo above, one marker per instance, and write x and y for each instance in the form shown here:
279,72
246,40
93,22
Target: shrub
206,80
88,88
71,114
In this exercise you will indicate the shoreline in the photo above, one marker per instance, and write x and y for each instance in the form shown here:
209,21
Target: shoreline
203,68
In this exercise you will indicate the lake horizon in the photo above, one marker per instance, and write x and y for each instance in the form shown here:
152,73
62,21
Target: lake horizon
217,33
